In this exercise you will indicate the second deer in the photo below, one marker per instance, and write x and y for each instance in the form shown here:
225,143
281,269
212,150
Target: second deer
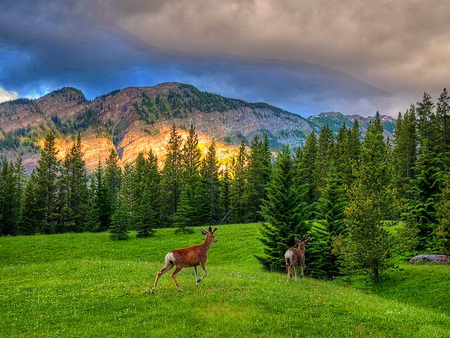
192,256
296,256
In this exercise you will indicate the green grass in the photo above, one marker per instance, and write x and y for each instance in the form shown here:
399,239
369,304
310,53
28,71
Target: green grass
85,285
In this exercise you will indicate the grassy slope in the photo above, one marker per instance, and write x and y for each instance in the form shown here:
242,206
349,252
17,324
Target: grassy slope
85,285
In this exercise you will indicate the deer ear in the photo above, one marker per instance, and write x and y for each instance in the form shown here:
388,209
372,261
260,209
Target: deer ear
210,229
216,228
203,231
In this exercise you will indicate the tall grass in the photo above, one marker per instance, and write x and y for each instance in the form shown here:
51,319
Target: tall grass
85,285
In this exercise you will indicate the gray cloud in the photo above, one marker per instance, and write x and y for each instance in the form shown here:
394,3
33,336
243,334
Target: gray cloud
352,56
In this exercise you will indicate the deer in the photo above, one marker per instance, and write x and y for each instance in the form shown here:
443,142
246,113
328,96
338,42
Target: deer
294,257
192,256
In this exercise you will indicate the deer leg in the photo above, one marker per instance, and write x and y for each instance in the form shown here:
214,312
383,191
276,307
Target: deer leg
174,276
166,268
295,272
204,272
196,275
302,275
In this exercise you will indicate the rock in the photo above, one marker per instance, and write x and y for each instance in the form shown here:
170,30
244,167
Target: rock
434,259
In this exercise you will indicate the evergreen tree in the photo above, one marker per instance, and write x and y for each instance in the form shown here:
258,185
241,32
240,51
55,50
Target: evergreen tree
150,205
76,195
257,177
210,176
443,125
325,149
8,210
47,180
426,186
171,179
443,212
113,180
29,222
182,219
101,200
123,210
193,189
332,206
368,243
307,171
238,186
284,211
225,183
404,154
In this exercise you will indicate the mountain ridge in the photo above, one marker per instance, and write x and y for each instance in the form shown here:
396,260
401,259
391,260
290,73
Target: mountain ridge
135,119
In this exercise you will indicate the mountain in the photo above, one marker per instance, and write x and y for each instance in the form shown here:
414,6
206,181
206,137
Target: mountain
135,119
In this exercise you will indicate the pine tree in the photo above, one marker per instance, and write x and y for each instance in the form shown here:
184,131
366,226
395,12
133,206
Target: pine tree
75,197
194,191
225,183
307,171
29,222
257,177
284,211
238,186
443,213
368,243
404,154
47,180
101,200
426,186
332,204
150,212
443,125
8,211
210,175
123,214
171,176
113,180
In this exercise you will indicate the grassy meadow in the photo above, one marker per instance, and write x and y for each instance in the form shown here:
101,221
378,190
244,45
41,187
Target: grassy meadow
86,285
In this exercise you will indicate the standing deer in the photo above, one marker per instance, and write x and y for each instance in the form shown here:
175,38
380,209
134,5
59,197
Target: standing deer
192,256
294,257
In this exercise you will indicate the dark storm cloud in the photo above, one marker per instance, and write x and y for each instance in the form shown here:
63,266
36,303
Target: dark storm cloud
354,56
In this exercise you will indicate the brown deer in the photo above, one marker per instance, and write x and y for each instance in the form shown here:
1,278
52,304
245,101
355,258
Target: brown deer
188,257
294,257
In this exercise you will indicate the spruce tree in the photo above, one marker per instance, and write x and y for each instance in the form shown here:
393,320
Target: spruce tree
307,171
443,213
101,200
171,179
47,180
257,177
76,195
194,191
368,243
238,186
150,212
284,211
210,176
113,179
8,210
29,219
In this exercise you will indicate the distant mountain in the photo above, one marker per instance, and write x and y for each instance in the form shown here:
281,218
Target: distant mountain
135,119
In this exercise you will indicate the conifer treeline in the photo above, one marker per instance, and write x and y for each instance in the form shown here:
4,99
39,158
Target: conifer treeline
348,185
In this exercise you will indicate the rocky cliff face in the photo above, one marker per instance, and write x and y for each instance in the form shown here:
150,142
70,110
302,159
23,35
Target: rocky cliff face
137,119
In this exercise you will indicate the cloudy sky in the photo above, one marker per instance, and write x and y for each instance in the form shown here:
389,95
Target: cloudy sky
353,56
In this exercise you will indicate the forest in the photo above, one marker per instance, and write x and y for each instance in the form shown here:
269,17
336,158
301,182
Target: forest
343,191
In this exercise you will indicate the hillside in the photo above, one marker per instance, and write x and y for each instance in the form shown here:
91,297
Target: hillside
85,285
135,119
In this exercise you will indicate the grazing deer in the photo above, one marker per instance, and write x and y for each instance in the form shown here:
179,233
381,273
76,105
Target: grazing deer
294,257
188,257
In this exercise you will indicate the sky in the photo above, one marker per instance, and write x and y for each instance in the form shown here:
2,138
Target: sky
307,57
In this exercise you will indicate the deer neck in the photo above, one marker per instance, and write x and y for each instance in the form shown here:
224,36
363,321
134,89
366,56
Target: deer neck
207,243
